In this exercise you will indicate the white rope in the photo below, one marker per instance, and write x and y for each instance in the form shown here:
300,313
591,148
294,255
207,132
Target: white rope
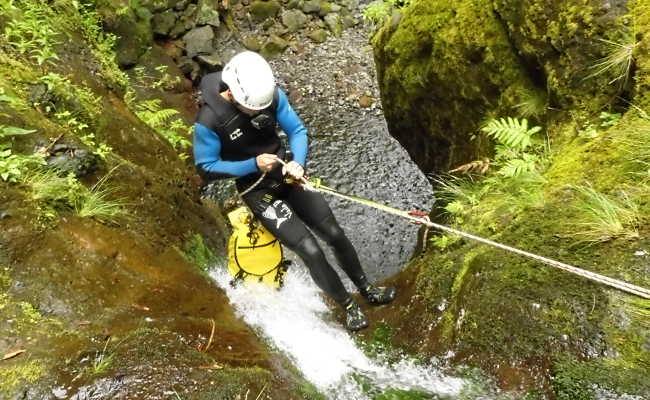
621,285
251,187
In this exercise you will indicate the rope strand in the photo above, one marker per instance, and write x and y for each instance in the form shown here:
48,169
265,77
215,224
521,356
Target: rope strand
618,284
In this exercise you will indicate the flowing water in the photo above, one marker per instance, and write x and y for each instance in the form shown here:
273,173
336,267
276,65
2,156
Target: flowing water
296,321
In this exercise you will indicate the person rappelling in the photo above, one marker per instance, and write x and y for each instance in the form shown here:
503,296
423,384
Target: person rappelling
235,136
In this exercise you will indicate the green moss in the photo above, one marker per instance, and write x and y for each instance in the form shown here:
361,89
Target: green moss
237,382
198,252
575,380
14,377
380,341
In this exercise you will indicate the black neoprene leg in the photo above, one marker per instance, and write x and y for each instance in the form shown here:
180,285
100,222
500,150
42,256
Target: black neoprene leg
321,271
330,231
314,210
281,219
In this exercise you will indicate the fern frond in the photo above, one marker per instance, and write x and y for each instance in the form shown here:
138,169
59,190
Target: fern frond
511,132
156,119
518,166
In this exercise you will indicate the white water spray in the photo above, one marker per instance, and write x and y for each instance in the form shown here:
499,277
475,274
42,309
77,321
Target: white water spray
297,322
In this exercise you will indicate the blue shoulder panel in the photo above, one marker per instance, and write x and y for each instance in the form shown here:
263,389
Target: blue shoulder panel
207,155
293,127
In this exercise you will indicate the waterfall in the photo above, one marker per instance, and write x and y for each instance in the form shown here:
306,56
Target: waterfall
296,321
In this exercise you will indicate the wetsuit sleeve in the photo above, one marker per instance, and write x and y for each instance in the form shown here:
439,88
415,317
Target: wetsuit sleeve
207,156
293,127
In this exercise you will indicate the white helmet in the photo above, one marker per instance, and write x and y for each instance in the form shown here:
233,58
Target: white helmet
250,80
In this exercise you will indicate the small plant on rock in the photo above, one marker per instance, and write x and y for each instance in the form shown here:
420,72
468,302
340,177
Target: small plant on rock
13,166
55,193
517,151
618,61
158,118
604,217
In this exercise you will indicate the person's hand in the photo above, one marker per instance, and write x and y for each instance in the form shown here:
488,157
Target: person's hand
294,170
265,162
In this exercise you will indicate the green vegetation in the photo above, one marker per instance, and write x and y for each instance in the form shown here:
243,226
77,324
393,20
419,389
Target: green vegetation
520,159
576,380
28,33
379,10
511,132
197,252
533,103
13,166
55,193
103,360
102,44
158,118
618,61
602,217
593,129
15,377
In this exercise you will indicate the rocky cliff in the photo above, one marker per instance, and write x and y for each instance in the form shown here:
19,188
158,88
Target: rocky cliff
578,70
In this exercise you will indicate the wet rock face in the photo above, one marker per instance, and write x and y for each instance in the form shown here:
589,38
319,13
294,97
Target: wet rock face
445,64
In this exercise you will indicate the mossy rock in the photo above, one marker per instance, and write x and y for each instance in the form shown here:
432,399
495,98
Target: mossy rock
318,35
502,55
274,47
262,10
134,36
420,64
334,24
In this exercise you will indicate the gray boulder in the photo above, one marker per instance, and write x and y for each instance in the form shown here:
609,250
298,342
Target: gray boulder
210,63
326,7
293,4
294,20
349,21
190,68
253,43
274,47
349,4
199,41
72,158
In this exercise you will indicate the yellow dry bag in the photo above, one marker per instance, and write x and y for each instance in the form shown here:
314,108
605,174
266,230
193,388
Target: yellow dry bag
254,254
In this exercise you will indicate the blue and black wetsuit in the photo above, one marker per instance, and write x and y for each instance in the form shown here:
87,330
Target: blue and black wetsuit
226,143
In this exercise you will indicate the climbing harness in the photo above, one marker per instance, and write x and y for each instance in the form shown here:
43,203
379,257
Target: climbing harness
416,217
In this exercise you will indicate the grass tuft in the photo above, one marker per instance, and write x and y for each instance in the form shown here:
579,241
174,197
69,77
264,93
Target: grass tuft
58,193
618,61
604,217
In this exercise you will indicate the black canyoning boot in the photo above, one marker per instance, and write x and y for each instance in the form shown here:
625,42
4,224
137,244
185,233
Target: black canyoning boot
355,319
379,294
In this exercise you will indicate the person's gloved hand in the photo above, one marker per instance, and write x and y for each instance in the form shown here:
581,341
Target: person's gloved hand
266,161
294,170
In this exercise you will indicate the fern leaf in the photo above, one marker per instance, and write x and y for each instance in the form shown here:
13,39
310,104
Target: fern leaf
511,132
517,167
14,131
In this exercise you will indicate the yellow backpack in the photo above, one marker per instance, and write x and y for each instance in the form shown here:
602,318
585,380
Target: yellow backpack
254,254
